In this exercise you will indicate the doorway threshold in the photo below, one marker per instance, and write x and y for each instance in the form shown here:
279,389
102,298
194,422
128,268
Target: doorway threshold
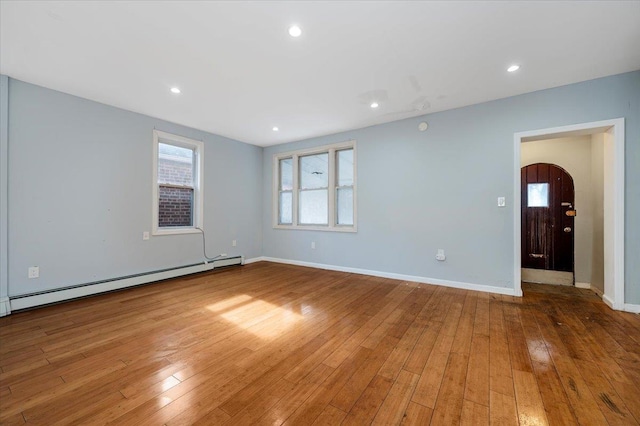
543,276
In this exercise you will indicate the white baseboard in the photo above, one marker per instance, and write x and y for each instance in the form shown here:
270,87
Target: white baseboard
253,260
607,300
30,301
402,277
5,306
634,309
597,291
588,286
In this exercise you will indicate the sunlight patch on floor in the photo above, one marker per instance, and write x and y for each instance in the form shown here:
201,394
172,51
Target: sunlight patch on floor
241,309
227,303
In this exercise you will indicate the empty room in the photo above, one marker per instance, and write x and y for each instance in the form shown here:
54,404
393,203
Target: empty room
319,212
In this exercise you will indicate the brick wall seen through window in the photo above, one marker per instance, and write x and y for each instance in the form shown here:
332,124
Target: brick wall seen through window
175,186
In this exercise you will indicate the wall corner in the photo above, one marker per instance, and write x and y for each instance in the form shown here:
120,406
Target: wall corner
4,191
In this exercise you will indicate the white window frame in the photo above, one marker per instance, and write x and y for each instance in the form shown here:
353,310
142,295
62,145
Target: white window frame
332,190
198,213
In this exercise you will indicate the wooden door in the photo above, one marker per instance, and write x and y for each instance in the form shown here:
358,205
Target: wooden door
547,218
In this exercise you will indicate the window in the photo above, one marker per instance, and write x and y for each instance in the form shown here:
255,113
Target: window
177,184
538,195
316,188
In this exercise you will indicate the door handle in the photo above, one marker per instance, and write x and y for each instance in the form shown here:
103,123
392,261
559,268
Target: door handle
567,229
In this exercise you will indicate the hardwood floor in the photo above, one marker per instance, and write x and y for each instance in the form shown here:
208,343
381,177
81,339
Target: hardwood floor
277,344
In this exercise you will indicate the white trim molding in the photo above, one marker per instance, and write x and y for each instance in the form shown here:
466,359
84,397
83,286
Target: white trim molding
4,194
54,296
597,291
634,309
5,306
588,286
391,275
613,203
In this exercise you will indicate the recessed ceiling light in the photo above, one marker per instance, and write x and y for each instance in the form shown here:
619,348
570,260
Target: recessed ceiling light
175,90
513,68
295,31
275,129
374,105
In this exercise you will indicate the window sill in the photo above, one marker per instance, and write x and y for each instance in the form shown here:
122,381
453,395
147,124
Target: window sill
352,229
175,231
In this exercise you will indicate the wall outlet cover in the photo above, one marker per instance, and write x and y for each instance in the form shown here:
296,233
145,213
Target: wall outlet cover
33,272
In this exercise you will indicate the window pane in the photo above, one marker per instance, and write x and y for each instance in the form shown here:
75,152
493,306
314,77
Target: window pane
345,206
286,174
175,165
314,171
314,207
538,195
175,206
286,208
345,167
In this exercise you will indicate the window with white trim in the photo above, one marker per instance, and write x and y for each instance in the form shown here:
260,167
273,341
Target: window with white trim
316,188
177,184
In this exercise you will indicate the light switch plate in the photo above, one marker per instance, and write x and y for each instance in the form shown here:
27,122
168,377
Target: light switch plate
501,202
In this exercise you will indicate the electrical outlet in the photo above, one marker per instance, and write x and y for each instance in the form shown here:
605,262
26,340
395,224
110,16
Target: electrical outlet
234,243
440,255
501,202
313,245
145,235
34,272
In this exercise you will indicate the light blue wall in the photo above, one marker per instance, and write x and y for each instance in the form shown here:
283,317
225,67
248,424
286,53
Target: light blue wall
420,191
80,181
79,189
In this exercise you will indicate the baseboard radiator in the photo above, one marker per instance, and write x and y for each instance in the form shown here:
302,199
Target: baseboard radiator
82,290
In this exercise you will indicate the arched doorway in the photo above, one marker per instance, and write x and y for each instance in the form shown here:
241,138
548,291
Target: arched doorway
547,217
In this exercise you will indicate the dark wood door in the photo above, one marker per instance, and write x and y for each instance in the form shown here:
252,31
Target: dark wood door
547,217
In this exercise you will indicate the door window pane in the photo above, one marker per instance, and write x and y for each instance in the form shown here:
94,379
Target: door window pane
314,207
345,206
314,171
538,195
286,208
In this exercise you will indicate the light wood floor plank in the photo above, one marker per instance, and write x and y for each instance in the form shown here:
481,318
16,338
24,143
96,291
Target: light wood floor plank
417,415
393,407
279,344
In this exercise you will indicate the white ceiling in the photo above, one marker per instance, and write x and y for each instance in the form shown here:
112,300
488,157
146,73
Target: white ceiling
242,74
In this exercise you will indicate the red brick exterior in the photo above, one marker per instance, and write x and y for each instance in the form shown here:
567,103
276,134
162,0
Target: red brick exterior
175,206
